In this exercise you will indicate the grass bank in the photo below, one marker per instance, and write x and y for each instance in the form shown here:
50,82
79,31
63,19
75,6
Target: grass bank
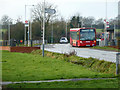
99,30
105,48
70,84
89,63
33,67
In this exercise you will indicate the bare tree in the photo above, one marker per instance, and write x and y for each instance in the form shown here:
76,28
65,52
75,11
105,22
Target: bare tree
88,21
38,12
38,16
5,21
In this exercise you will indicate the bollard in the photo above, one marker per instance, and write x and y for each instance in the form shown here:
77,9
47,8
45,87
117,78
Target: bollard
117,63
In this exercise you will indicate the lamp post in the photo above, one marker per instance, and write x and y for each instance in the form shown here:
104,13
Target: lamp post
105,29
29,30
25,29
66,28
9,32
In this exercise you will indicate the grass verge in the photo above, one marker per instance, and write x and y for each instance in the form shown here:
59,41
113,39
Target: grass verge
33,67
90,63
105,48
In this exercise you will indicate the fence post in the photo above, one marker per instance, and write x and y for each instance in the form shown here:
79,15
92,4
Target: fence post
117,63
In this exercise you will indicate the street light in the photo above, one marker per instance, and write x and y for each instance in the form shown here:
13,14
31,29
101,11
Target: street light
66,28
9,32
29,31
105,29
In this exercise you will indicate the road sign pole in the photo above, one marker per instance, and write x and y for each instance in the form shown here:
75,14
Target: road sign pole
28,36
117,63
43,28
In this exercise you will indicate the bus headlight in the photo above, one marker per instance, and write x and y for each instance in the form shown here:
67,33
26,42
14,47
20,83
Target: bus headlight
80,41
94,41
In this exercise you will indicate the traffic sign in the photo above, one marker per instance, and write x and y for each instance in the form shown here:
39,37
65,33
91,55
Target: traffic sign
26,23
50,11
107,23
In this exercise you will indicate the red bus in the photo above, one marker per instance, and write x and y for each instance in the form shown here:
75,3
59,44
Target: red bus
83,37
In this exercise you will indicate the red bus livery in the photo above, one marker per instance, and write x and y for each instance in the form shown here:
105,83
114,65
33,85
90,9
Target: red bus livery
83,37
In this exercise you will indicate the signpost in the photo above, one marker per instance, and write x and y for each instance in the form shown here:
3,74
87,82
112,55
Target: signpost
27,26
106,24
26,23
49,11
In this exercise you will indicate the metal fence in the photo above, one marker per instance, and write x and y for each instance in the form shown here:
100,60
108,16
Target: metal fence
17,42
4,43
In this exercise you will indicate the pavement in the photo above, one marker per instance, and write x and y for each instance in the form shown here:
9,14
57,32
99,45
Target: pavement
80,79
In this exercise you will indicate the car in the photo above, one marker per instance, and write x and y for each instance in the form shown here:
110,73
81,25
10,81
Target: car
63,40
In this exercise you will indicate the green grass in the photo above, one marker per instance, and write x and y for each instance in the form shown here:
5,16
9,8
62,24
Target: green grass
90,63
99,30
70,84
22,45
29,67
3,30
105,48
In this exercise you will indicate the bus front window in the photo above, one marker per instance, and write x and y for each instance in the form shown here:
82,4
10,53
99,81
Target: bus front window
87,34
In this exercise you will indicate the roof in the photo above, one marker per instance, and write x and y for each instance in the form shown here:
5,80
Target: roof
77,29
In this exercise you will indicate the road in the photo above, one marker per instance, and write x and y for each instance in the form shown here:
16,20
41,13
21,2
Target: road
83,52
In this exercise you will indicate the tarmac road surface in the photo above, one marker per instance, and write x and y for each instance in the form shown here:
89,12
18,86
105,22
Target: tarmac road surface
82,52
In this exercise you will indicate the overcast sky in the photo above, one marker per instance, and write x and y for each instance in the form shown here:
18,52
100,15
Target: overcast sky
66,8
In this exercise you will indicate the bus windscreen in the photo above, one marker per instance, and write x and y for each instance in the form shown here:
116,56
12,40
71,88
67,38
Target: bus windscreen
87,34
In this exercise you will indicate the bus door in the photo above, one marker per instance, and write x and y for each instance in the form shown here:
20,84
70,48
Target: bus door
74,38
